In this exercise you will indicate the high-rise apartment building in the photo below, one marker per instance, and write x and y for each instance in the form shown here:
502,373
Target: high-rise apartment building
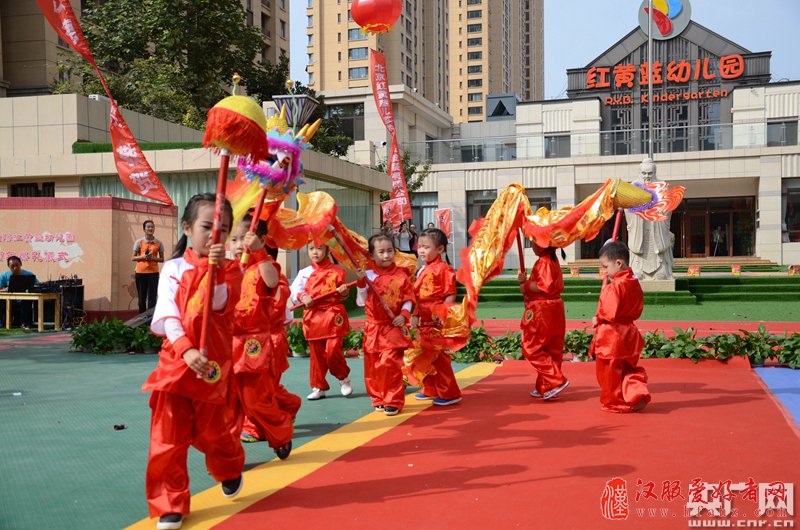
29,46
451,52
496,47
415,50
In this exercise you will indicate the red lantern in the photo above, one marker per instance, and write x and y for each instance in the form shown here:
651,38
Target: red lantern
376,16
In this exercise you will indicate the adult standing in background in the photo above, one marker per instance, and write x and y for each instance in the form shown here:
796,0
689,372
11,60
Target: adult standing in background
404,238
148,252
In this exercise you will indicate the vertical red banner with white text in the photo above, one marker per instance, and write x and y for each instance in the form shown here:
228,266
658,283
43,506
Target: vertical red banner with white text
383,100
134,170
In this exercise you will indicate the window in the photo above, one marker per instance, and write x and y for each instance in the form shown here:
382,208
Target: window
782,133
310,21
474,83
475,97
359,73
282,3
791,210
48,189
477,41
478,204
556,146
355,34
475,111
475,69
282,31
474,56
423,209
358,53
310,40
310,58
474,14
350,117
474,28
473,2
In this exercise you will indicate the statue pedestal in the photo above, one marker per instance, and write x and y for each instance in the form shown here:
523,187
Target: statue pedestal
658,286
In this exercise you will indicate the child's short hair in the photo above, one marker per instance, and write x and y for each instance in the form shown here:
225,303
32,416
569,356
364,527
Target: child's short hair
261,226
149,221
378,237
615,250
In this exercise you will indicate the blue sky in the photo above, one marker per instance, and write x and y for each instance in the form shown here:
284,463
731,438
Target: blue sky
577,31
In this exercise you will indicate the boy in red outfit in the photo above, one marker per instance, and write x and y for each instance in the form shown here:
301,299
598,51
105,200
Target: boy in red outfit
617,342
386,336
252,344
325,321
544,323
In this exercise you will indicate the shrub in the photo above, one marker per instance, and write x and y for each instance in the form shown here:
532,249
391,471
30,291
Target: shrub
478,347
297,341
577,342
107,336
509,346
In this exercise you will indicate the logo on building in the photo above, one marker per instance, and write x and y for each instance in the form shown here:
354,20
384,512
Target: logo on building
670,17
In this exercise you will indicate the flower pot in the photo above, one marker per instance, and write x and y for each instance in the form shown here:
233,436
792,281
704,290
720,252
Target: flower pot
299,354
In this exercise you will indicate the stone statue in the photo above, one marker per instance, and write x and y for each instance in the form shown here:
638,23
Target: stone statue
650,242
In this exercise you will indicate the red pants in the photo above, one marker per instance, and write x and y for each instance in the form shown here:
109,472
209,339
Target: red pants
258,400
383,377
176,423
623,384
545,353
443,383
327,355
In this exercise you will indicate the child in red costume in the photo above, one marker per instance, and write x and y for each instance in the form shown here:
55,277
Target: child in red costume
543,323
386,336
190,389
252,344
617,342
325,321
436,284
279,318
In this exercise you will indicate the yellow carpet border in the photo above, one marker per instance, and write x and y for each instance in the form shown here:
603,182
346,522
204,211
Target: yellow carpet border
210,508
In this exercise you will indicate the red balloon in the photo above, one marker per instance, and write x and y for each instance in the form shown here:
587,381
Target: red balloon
376,16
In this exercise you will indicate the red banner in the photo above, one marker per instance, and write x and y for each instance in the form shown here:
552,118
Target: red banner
392,211
383,100
134,171
444,221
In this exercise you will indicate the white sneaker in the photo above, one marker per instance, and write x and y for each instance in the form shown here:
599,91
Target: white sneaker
553,392
316,394
535,393
347,388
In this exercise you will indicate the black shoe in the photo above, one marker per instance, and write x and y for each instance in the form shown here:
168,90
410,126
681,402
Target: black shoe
231,488
170,521
284,451
390,411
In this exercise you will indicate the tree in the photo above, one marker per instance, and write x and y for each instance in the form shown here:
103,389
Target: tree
414,172
171,58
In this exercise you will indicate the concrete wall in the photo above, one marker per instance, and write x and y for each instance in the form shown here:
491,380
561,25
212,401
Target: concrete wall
49,125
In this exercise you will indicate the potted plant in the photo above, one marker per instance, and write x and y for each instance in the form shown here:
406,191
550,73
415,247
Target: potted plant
353,342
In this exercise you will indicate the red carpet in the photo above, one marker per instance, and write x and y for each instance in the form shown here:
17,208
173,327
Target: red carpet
502,459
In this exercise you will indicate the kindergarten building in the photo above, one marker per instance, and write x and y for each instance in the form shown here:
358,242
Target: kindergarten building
721,129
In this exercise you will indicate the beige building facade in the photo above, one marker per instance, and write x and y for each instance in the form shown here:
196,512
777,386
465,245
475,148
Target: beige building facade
29,46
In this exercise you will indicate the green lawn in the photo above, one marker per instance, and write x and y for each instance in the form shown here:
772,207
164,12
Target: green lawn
708,311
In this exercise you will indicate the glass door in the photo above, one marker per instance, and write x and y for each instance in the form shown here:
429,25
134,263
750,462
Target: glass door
697,237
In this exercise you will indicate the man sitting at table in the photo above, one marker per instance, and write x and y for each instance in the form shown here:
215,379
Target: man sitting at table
21,311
